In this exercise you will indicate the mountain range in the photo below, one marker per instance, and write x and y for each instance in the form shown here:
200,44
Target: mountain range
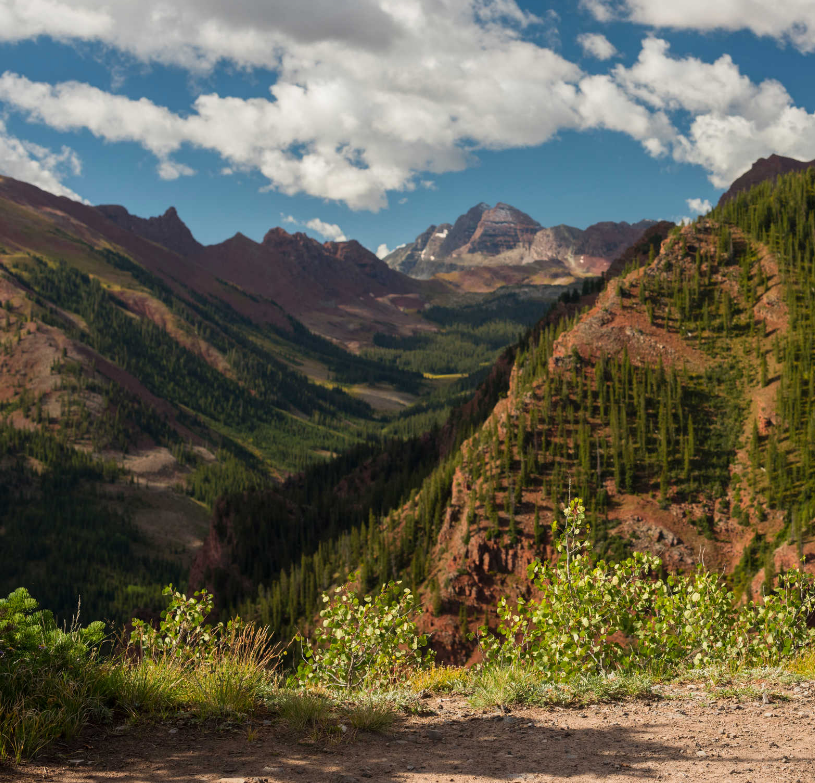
513,248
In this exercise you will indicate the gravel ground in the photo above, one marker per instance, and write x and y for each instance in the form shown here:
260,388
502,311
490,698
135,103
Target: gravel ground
684,735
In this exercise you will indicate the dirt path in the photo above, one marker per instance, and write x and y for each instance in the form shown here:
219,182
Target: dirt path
687,738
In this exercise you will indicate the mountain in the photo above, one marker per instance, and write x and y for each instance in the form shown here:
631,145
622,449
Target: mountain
337,289
677,403
167,230
764,169
504,237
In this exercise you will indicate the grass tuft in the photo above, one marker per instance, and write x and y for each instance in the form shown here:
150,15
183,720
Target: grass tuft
441,679
303,709
371,714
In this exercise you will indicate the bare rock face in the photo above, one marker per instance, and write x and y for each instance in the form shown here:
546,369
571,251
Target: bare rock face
167,230
463,229
762,170
500,229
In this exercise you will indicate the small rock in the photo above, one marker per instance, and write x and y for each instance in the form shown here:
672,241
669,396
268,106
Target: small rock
435,735
76,761
768,715
173,731
267,723
701,753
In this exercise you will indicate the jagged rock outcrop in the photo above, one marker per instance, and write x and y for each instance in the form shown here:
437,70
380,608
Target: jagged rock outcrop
167,230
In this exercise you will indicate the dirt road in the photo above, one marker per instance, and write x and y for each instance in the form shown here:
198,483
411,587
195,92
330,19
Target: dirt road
687,737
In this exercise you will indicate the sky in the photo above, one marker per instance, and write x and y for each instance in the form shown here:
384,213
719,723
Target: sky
372,119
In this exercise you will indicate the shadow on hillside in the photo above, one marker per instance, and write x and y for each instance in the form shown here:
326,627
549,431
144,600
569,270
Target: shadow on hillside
477,748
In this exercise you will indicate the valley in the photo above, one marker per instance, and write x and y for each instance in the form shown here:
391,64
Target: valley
127,341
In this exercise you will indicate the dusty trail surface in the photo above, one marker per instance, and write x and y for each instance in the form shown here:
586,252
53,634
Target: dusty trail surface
685,738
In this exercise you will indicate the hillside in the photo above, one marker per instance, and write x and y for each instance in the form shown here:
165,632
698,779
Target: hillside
488,247
678,403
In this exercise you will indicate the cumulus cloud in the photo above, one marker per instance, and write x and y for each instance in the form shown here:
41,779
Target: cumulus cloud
372,97
785,20
382,251
329,231
596,45
368,96
38,165
698,206
731,121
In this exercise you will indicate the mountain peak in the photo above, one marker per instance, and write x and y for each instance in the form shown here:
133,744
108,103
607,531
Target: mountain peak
763,169
167,230
499,229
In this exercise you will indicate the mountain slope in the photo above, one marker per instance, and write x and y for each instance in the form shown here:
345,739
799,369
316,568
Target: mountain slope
678,405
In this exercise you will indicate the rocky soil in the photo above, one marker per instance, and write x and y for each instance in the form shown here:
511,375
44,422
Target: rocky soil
681,733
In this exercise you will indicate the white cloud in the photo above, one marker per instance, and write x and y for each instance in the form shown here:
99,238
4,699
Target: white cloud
168,169
596,45
600,9
368,96
382,251
371,97
784,20
330,231
731,120
699,206
38,165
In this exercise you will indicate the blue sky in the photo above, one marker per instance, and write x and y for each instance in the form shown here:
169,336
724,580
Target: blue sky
371,119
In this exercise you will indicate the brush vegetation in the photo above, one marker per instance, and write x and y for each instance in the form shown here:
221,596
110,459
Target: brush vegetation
594,631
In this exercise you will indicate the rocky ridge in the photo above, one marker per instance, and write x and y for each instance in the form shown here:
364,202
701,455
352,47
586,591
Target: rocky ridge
762,170
504,237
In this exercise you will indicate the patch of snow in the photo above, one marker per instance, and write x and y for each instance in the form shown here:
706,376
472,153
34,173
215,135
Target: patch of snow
441,234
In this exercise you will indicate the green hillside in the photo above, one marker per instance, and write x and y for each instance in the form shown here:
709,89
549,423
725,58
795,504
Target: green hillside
679,405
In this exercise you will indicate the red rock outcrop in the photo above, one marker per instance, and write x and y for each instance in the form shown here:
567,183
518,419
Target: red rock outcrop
167,230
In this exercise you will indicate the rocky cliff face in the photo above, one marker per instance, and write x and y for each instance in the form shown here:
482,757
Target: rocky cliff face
503,236
764,169
167,230
500,229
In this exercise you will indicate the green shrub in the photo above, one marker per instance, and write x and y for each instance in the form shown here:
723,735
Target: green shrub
182,635
368,642
593,618
50,683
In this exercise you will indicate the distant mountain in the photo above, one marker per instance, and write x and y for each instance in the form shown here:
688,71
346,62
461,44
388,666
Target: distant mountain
339,290
502,236
762,170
